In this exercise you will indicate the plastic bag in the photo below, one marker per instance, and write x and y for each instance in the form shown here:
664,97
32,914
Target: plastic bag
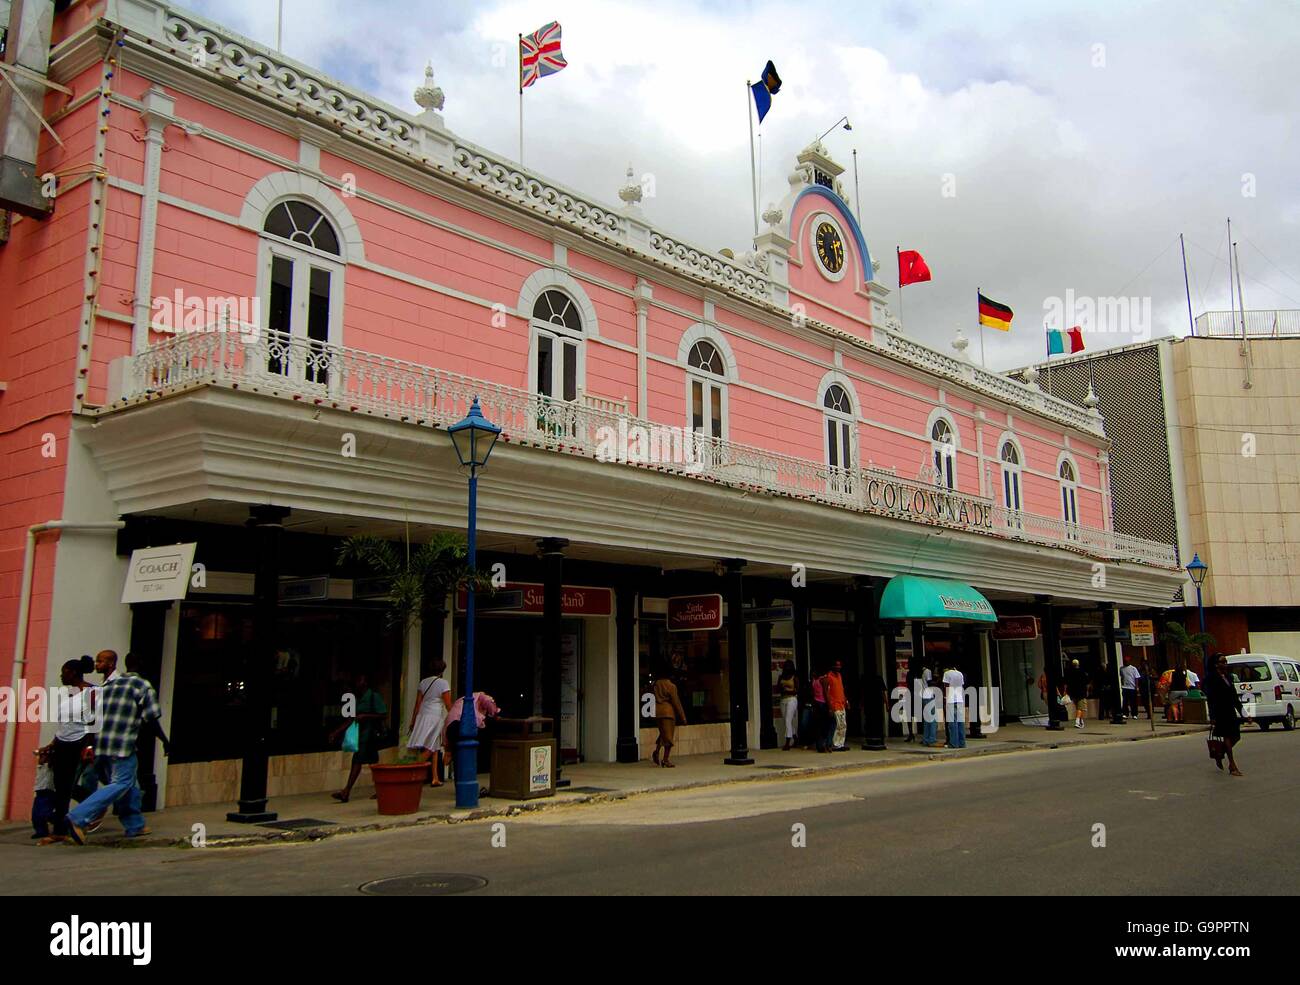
352,738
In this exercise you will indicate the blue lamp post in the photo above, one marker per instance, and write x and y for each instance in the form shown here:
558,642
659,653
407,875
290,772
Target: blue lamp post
1197,570
473,438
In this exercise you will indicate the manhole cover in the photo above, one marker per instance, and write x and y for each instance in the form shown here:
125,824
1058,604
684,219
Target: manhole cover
777,766
427,884
589,790
297,822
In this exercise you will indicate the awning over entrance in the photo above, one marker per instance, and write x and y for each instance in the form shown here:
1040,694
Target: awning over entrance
913,597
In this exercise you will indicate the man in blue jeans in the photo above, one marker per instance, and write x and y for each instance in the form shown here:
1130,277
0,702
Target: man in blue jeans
955,707
124,705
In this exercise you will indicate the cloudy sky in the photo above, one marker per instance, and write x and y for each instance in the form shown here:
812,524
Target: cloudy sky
1080,138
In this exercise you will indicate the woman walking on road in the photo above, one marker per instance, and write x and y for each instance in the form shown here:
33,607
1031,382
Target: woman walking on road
1225,711
668,713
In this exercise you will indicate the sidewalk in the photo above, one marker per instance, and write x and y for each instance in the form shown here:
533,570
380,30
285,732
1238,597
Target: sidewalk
315,816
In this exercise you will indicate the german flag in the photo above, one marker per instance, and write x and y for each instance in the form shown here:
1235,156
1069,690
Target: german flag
994,314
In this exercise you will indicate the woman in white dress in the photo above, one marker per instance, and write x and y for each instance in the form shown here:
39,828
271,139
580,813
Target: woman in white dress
432,702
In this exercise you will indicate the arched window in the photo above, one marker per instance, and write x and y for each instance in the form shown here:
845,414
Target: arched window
839,427
1010,477
943,445
1069,495
707,389
557,341
303,286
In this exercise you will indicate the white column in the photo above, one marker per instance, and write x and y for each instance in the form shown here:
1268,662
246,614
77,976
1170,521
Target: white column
643,295
158,110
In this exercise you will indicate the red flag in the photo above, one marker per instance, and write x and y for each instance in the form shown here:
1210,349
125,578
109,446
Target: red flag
911,268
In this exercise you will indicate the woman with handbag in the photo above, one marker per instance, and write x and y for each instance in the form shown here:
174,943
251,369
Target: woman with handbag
432,703
368,715
1225,715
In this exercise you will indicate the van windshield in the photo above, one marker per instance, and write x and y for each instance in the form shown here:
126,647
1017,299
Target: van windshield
1250,672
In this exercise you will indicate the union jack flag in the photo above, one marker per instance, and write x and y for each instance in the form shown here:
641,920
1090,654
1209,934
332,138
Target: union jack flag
539,54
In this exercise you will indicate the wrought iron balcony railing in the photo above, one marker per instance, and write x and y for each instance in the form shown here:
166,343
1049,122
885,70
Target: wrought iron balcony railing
593,427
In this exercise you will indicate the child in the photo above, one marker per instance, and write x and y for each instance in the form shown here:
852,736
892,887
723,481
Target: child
43,806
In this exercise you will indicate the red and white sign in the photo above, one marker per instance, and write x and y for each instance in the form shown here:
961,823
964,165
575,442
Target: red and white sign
1016,628
576,600
687,613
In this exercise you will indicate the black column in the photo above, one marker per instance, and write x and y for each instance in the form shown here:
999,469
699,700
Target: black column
267,524
552,551
626,698
1051,657
802,664
873,691
148,625
766,724
738,661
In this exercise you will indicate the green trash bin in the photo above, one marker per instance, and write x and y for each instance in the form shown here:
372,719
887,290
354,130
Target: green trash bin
524,758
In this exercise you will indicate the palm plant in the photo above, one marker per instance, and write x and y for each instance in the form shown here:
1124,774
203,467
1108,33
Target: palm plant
1187,644
418,580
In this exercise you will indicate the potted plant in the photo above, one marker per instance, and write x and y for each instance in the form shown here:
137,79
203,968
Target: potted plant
419,581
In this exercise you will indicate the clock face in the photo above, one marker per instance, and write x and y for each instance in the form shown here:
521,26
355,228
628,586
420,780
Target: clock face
830,248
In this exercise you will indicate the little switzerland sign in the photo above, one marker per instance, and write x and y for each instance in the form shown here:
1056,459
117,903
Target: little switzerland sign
928,504
691,612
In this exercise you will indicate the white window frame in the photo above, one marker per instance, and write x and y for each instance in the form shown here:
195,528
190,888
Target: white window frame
303,258
1012,479
846,431
944,453
708,382
560,335
1069,496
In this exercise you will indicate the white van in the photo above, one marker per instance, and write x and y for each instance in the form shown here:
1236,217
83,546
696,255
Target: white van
1268,687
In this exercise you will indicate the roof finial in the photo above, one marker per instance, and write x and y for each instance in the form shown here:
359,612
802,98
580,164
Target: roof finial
428,96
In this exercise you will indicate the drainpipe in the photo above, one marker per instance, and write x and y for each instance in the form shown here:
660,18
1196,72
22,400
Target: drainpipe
157,113
20,638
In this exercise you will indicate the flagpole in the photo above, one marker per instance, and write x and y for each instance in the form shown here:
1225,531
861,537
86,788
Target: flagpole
753,178
898,256
983,365
857,196
521,100
1187,287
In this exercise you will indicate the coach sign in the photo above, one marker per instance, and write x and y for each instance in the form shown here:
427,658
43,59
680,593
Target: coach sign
690,612
159,574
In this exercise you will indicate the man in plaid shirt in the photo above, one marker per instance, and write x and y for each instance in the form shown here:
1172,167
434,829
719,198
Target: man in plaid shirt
123,705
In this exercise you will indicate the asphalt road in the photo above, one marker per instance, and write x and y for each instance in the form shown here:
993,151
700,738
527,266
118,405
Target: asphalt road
1022,823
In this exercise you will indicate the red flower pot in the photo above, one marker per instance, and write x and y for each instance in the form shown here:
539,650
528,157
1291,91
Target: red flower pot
399,785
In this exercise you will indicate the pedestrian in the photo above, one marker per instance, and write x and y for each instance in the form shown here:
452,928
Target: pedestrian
428,717
955,707
668,714
151,729
917,676
125,704
369,712
1174,696
66,750
106,664
1128,682
1225,712
788,687
44,810
930,696
485,707
838,704
821,716
1077,684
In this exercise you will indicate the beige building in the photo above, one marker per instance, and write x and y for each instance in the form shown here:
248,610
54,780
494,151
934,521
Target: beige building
1206,444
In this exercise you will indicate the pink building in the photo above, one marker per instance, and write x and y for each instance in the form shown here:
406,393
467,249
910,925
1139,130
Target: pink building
259,296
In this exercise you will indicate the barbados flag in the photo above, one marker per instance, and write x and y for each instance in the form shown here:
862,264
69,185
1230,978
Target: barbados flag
768,86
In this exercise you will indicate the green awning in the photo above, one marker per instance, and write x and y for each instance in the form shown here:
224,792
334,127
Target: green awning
912,597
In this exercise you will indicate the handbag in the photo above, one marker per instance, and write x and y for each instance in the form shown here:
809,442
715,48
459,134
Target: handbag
352,738
1215,744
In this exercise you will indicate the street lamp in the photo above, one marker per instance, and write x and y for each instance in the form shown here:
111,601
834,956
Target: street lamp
1197,570
842,119
473,438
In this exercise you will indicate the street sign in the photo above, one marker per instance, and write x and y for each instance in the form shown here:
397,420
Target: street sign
770,613
316,589
1143,632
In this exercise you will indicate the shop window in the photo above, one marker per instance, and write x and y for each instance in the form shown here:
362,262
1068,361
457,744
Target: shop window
943,446
706,382
301,279
317,655
698,662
